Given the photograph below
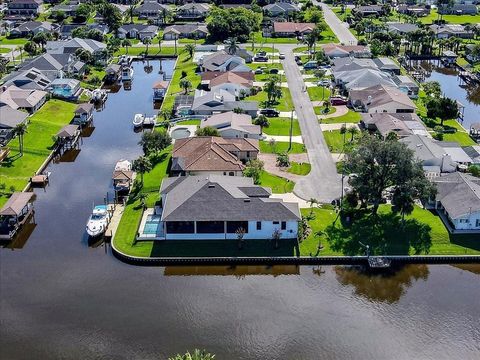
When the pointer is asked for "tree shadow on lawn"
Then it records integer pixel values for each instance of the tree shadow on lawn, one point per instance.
(468, 241)
(385, 234)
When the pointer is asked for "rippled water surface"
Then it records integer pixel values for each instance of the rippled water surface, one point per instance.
(61, 299)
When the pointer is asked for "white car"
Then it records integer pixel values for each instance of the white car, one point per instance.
(281, 56)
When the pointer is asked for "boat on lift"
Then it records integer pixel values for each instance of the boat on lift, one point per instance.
(98, 221)
(99, 95)
(138, 120)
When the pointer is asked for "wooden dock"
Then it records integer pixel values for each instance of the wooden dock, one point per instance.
(114, 220)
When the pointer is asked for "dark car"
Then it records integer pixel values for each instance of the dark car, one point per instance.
(338, 101)
(273, 71)
(260, 59)
(269, 112)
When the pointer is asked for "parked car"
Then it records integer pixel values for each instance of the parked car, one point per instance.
(260, 58)
(281, 56)
(310, 65)
(297, 58)
(261, 53)
(338, 100)
(269, 112)
(274, 71)
(324, 83)
(258, 71)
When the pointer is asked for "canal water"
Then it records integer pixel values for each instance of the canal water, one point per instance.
(61, 299)
(453, 87)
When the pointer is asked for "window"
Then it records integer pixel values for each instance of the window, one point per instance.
(180, 227)
(284, 225)
(210, 227)
(231, 173)
(259, 225)
(477, 223)
(276, 222)
(233, 226)
(248, 154)
(224, 173)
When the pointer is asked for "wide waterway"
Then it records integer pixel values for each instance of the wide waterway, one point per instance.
(61, 299)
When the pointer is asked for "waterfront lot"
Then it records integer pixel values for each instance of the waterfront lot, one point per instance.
(38, 142)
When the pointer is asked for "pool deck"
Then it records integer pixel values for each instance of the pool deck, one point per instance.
(148, 237)
(190, 128)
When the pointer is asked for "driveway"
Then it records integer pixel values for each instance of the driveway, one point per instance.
(323, 183)
(338, 27)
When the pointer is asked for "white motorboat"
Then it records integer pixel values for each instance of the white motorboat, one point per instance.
(149, 121)
(98, 221)
(138, 120)
(99, 95)
(127, 73)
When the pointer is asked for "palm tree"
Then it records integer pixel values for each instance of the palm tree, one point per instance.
(142, 165)
(196, 355)
(159, 44)
(20, 130)
(185, 84)
(312, 202)
(126, 43)
(190, 49)
(352, 130)
(262, 121)
(272, 89)
(147, 41)
(232, 46)
(131, 9)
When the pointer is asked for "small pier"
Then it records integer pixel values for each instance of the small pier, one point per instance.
(40, 180)
(68, 138)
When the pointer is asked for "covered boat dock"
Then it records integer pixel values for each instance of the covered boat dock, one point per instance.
(15, 213)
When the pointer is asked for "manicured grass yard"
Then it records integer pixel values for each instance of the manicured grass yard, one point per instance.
(280, 147)
(278, 184)
(452, 19)
(16, 171)
(320, 110)
(14, 41)
(350, 117)
(188, 122)
(281, 126)
(4, 50)
(334, 140)
(299, 168)
(285, 103)
(422, 233)
(318, 93)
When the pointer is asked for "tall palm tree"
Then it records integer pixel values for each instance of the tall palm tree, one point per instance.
(232, 46)
(147, 41)
(185, 84)
(142, 165)
(195, 355)
(262, 121)
(126, 44)
(131, 9)
(20, 130)
(190, 49)
(352, 130)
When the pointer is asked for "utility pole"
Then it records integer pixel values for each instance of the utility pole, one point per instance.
(290, 132)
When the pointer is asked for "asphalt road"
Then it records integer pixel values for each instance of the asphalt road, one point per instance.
(338, 27)
(323, 183)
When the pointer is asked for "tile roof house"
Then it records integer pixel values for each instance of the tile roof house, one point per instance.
(213, 102)
(291, 29)
(215, 207)
(137, 31)
(280, 9)
(342, 51)
(236, 83)
(381, 98)
(435, 160)
(212, 155)
(222, 61)
(458, 202)
(23, 99)
(232, 125)
(192, 11)
(191, 31)
(29, 28)
(402, 124)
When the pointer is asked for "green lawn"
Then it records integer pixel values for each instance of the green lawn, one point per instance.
(350, 117)
(454, 132)
(16, 171)
(189, 122)
(452, 19)
(278, 184)
(4, 50)
(285, 103)
(299, 168)
(318, 93)
(14, 41)
(320, 110)
(280, 147)
(127, 228)
(184, 64)
(334, 140)
(281, 126)
(423, 232)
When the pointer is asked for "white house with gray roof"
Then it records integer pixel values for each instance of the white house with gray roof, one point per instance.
(219, 101)
(214, 207)
(232, 125)
(458, 202)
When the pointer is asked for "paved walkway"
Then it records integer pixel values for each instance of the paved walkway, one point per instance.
(339, 28)
(270, 166)
(287, 114)
(330, 127)
(323, 182)
(341, 110)
(338, 157)
(281, 138)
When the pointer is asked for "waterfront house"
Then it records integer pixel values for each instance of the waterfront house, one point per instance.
(446, 31)
(65, 88)
(69, 8)
(334, 51)
(181, 31)
(368, 10)
(214, 102)
(83, 113)
(236, 83)
(458, 202)
(56, 64)
(222, 61)
(32, 79)
(232, 125)
(160, 89)
(15, 213)
(137, 31)
(381, 99)
(212, 155)
(280, 9)
(30, 28)
(402, 124)
(459, 9)
(192, 11)
(9, 119)
(435, 160)
(24, 8)
(23, 99)
(216, 207)
(96, 48)
(152, 10)
(292, 29)
(413, 10)
(387, 65)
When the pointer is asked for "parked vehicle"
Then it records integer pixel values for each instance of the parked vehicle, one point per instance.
(325, 83)
(269, 112)
(310, 65)
(258, 71)
(338, 100)
(274, 71)
(260, 58)
(281, 56)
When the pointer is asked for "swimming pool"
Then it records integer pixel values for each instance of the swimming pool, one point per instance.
(152, 225)
(180, 133)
